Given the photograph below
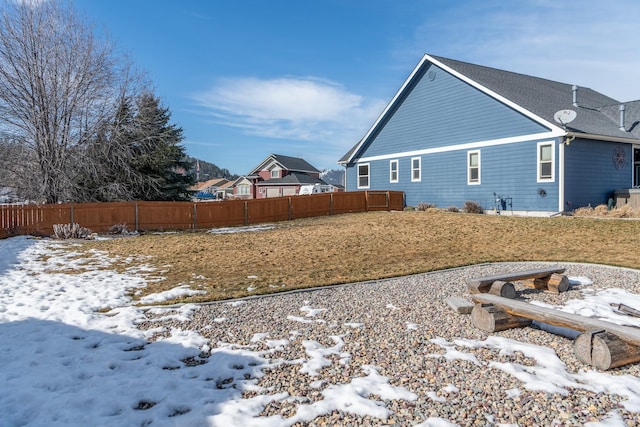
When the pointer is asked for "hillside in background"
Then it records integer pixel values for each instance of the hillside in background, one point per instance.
(209, 170)
(333, 176)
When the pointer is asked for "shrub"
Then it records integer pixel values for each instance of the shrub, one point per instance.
(13, 231)
(452, 209)
(601, 210)
(423, 206)
(71, 231)
(118, 229)
(409, 209)
(624, 211)
(586, 211)
(472, 207)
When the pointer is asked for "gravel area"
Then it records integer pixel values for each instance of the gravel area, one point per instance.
(405, 328)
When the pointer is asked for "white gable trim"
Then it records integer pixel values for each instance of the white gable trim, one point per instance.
(387, 108)
(267, 162)
(554, 128)
(467, 146)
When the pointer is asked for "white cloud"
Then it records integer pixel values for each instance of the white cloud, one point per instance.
(588, 43)
(294, 108)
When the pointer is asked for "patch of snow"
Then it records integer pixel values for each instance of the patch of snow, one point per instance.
(171, 294)
(246, 229)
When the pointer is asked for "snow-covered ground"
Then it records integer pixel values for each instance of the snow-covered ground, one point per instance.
(71, 354)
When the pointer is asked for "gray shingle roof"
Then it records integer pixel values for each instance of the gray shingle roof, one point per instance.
(294, 164)
(544, 97)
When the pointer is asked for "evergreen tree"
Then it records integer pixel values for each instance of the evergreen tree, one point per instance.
(157, 154)
(136, 156)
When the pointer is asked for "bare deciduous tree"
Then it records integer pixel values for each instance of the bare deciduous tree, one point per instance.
(58, 85)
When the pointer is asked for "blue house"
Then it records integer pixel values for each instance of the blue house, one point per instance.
(457, 132)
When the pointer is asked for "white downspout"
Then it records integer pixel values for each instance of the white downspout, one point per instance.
(561, 176)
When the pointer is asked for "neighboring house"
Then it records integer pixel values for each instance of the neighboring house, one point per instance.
(277, 176)
(243, 188)
(210, 189)
(457, 132)
(225, 190)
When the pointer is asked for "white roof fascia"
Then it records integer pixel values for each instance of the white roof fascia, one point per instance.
(263, 164)
(603, 138)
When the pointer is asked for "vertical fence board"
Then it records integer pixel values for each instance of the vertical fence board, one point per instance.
(349, 202)
(396, 200)
(102, 216)
(225, 213)
(310, 205)
(99, 217)
(268, 210)
(165, 215)
(378, 200)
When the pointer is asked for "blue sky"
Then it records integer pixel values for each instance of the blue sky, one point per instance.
(308, 78)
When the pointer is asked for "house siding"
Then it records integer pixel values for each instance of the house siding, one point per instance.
(446, 111)
(507, 170)
(588, 179)
(438, 114)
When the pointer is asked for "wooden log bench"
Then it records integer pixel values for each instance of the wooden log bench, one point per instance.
(603, 345)
(548, 279)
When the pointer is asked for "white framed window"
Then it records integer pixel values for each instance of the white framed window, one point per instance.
(393, 171)
(243, 190)
(275, 173)
(546, 162)
(416, 169)
(473, 167)
(363, 175)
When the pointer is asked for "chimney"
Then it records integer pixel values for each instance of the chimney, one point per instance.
(574, 88)
(622, 108)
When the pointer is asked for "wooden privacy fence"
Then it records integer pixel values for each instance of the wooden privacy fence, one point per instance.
(142, 216)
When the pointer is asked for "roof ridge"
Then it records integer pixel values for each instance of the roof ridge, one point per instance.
(501, 70)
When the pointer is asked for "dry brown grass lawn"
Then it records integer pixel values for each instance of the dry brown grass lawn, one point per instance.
(356, 247)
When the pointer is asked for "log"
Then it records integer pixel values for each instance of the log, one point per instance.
(490, 318)
(540, 283)
(558, 283)
(483, 284)
(460, 305)
(625, 309)
(503, 289)
(559, 318)
(604, 350)
(479, 287)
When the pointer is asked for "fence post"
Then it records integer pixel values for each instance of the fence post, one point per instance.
(290, 209)
(72, 217)
(246, 212)
(366, 201)
(136, 209)
(388, 201)
(331, 203)
(195, 215)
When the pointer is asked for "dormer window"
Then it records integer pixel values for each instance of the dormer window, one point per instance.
(275, 173)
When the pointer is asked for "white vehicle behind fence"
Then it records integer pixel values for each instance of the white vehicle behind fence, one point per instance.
(315, 188)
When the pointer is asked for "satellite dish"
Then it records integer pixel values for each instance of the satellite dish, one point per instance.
(564, 116)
